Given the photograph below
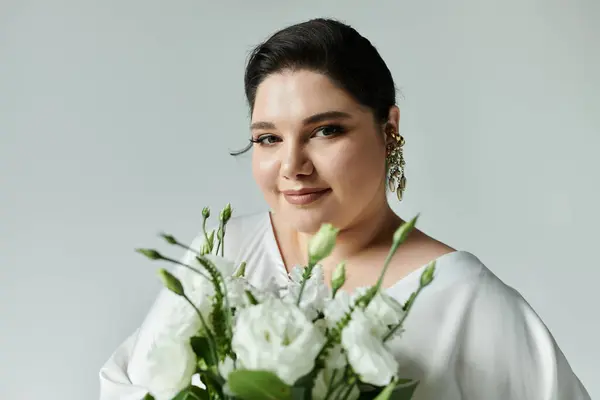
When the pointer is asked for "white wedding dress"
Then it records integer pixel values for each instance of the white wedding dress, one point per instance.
(469, 336)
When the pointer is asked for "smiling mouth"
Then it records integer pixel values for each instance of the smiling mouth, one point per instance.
(304, 197)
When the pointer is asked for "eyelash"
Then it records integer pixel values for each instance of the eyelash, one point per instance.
(262, 138)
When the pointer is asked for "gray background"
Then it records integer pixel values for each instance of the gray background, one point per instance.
(116, 118)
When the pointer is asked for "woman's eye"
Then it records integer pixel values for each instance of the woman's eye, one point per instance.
(266, 140)
(329, 131)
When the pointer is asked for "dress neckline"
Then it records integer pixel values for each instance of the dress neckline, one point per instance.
(409, 280)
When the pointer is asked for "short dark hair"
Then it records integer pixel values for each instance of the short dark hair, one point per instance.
(332, 48)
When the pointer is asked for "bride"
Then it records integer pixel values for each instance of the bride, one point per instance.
(325, 148)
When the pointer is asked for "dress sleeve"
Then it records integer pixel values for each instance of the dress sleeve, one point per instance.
(507, 352)
(122, 375)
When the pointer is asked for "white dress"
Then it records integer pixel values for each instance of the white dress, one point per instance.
(469, 336)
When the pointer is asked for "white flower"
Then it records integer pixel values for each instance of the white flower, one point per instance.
(336, 308)
(226, 367)
(366, 352)
(384, 311)
(236, 292)
(182, 320)
(269, 290)
(336, 358)
(168, 369)
(276, 336)
(321, 325)
(315, 291)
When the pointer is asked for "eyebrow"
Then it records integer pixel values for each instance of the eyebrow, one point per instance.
(313, 119)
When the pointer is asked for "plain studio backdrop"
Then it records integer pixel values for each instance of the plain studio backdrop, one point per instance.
(116, 119)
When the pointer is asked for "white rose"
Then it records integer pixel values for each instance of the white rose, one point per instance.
(336, 358)
(366, 352)
(182, 320)
(335, 309)
(384, 311)
(236, 292)
(226, 367)
(315, 291)
(276, 336)
(169, 367)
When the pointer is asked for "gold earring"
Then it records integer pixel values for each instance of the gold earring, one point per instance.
(395, 164)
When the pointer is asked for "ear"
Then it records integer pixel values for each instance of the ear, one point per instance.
(392, 126)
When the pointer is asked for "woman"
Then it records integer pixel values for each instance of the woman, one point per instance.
(325, 147)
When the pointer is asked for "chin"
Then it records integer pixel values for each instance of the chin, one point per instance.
(308, 220)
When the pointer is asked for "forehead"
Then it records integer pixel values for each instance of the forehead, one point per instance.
(295, 95)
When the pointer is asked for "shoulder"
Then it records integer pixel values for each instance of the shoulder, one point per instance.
(504, 346)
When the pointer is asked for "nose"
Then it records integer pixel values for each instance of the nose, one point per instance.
(295, 162)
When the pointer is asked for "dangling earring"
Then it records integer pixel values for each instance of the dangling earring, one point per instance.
(395, 164)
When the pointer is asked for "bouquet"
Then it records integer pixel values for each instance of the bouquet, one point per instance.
(306, 340)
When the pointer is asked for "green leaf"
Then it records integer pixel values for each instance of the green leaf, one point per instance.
(148, 396)
(192, 393)
(212, 379)
(201, 347)
(302, 388)
(386, 393)
(300, 393)
(401, 389)
(251, 297)
(258, 385)
(404, 390)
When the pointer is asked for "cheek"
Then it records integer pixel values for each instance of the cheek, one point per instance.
(265, 171)
(355, 168)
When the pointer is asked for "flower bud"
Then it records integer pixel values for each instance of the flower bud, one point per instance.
(402, 233)
(226, 213)
(339, 276)
(241, 271)
(171, 282)
(151, 254)
(205, 249)
(211, 238)
(321, 245)
(427, 275)
(168, 238)
(205, 212)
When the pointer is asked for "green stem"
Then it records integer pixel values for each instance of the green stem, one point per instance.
(308, 273)
(348, 391)
(211, 339)
(228, 315)
(205, 233)
(399, 324)
(223, 242)
(334, 293)
(386, 265)
(186, 266)
(330, 387)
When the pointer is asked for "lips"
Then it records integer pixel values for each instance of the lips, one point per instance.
(304, 196)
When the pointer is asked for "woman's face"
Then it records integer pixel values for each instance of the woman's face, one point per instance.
(318, 155)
